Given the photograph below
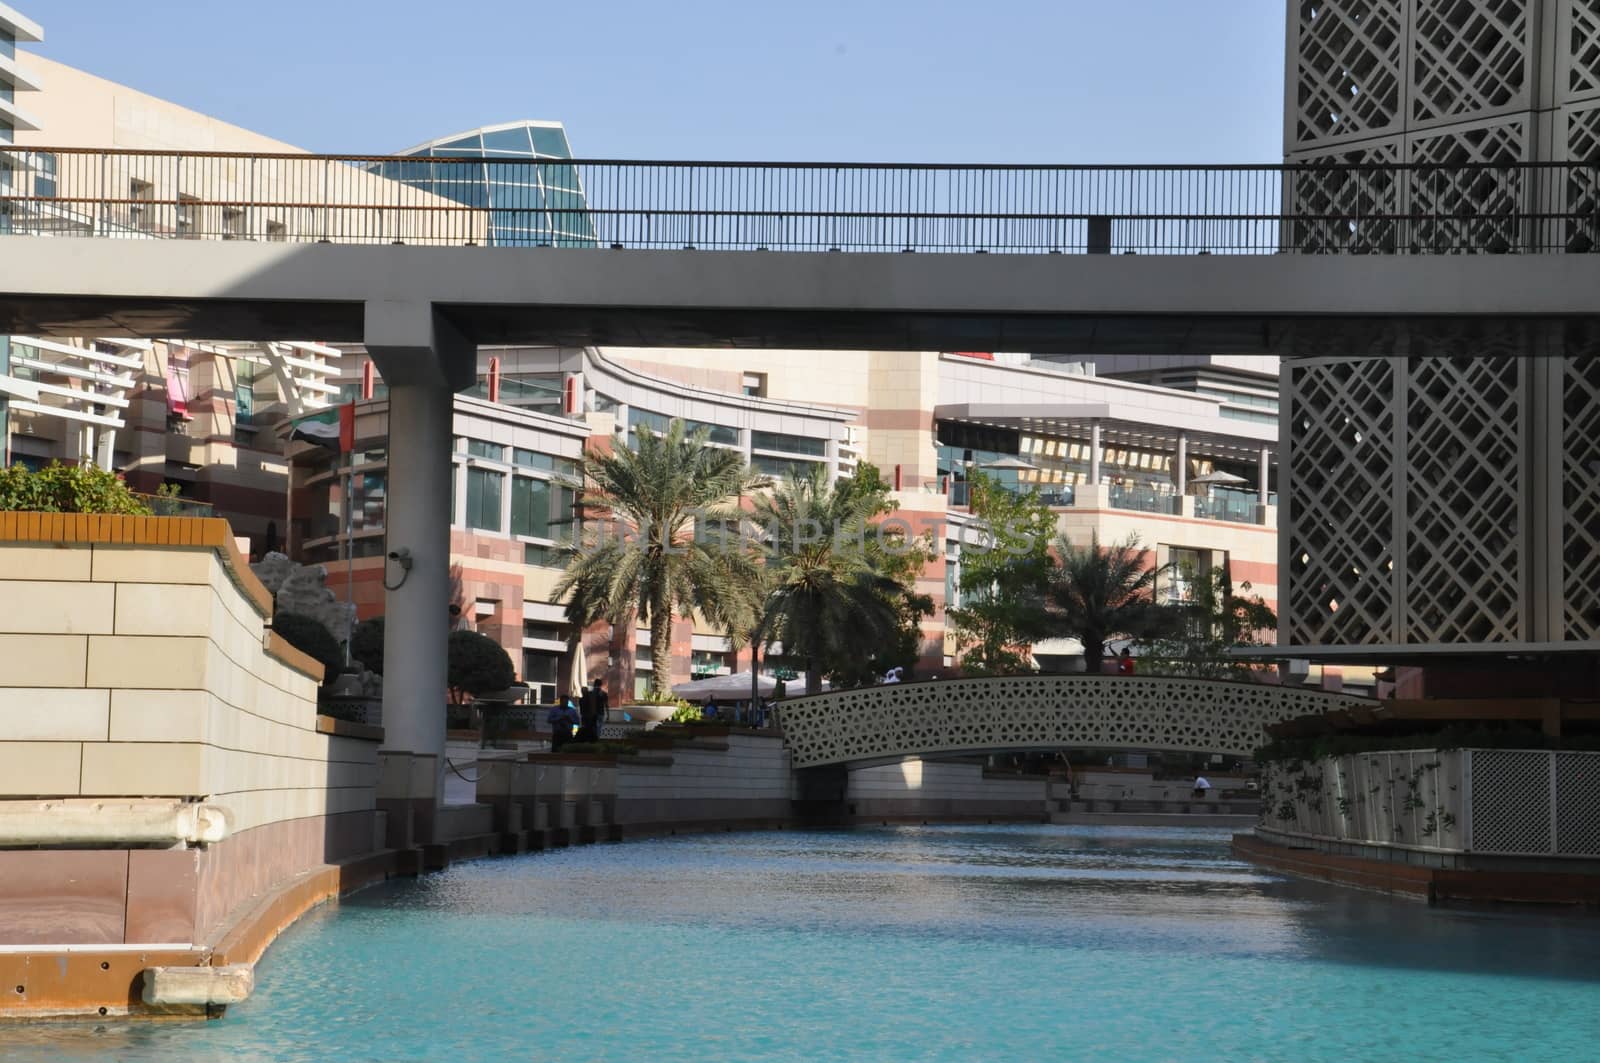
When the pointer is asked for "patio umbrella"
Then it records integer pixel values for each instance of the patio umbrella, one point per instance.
(1009, 464)
(1213, 478)
(580, 669)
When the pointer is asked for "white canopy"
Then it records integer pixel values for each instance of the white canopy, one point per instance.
(736, 685)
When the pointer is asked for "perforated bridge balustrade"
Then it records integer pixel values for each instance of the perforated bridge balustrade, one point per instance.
(1043, 713)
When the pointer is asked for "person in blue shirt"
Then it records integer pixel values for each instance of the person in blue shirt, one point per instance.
(563, 717)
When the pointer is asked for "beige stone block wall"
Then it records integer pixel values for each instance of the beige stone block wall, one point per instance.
(135, 670)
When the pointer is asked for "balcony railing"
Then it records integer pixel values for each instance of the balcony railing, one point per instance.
(173, 506)
(758, 206)
(1143, 499)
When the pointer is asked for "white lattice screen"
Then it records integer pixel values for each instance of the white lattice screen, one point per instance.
(1526, 801)
(1580, 502)
(1446, 81)
(1468, 57)
(1348, 68)
(1464, 483)
(1412, 504)
(1042, 712)
(1582, 22)
(1340, 524)
(1510, 801)
(1577, 796)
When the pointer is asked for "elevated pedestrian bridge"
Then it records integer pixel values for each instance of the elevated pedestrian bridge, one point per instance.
(1014, 714)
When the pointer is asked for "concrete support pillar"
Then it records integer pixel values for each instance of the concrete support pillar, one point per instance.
(1183, 463)
(1094, 452)
(1266, 466)
(423, 360)
(416, 517)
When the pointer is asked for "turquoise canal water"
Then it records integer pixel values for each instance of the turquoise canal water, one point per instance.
(916, 943)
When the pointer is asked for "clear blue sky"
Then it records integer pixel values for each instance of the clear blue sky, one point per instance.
(864, 80)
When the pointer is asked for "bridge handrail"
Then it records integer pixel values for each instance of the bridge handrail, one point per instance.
(1311, 208)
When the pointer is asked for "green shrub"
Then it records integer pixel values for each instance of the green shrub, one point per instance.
(687, 713)
(59, 488)
(366, 644)
(312, 639)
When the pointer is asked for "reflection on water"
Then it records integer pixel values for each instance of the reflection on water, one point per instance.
(953, 943)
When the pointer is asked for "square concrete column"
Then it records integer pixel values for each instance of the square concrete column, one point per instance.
(1094, 452)
(1266, 466)
(1183, 463)
(423, 360)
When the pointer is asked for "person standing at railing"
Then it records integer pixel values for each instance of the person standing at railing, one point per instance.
(1125, 664)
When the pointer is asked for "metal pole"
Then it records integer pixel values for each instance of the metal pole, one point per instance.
(350, 551)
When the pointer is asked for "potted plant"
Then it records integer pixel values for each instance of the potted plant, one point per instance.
(650, 708)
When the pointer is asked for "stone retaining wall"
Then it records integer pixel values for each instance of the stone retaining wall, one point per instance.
(138, 666)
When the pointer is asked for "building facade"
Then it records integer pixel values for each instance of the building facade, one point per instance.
(1177, 457)
(16, 79)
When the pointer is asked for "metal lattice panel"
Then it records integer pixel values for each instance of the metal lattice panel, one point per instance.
(1580, 508)
(1042, 712)
(1578, 804)
(1510, 801)
(1583, 184)
(1341, 530)
(1463, 499)
(1583, 49)
(1474, 210)
(1467, 57)
(1349, 60)
(1353, 199)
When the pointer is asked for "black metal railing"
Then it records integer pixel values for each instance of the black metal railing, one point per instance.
(751, 206)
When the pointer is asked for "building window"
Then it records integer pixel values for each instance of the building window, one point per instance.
(533, 459)
(530, 507)
(483, 499)
(143, 194)
(478, 448)
(233, 223)
(1187, 567)
(187, 217)
(544, 556)
(781, 467)
(755, 385)
(277, 232)
(788, 444)
(44, 178)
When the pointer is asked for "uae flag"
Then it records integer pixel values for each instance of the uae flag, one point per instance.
(332, 428)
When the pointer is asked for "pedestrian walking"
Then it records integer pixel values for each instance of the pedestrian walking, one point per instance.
(592, 711)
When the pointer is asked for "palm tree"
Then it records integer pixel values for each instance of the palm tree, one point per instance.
(645, 558)
(1096, 594)
(827, 599)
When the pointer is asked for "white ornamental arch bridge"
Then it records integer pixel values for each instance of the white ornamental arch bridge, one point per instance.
(1011, 714)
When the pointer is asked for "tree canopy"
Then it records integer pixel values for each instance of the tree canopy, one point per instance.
(476, 665)
(831, 595)
(310, 637)
(647, 554)
(1213, 619)
(1096, 594)
(366, 644)
(1003, 579)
